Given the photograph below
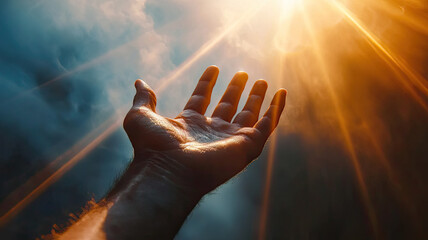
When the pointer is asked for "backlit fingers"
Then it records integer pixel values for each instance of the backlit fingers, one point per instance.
(201, 96)
(270, 119)
(250, 113)
(228, 104)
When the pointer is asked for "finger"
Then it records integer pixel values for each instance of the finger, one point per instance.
(144, 97)
(228, 104)
(201, 96)
(250, 113)
(270, 120)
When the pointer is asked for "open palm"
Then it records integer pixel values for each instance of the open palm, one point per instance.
(215, 148)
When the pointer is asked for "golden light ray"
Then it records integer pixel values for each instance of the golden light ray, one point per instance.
(318, 52)
(410, 20)
(57, 174)
(93, 62)
(392, 177)
(269, 167)
(80, 68)
(274, 138)
(419, 82)
(93, 139)
(205, 48)
(368, 131)
(266, 191)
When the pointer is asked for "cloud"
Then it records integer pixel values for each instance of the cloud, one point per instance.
(86, 54)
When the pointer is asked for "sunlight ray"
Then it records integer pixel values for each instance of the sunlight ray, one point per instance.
(264, 213)
(267, 187)
(318, 52)
(93, 139)
(49, 180)
(205, 48)
(418, 81)
(392, 177)
(368, 131)
(115, 52)
(80, 68)
(399, 12)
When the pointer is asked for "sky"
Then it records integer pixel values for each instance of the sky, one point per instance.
(347, 160)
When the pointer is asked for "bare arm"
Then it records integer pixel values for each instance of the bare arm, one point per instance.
(177, 161)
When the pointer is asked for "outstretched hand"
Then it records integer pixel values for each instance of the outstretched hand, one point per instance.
(213, 148)
(177, 161)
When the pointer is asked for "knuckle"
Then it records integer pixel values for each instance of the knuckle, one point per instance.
(197, 98)
(234, 88)
(248, 113)
(127, 122)
(256, 97)
(227, 106)
(133, 117)
(130, 120)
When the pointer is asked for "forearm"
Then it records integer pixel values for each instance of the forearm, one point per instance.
(150, 201)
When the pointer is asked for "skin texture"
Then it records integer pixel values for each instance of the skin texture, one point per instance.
(177, 161)
(214, 146)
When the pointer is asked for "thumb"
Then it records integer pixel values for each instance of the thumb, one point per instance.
(145, 96)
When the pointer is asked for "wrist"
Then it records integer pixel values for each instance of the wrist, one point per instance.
(163, 169)
(154, 191)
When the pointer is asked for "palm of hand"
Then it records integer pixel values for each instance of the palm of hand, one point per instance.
(213, 146)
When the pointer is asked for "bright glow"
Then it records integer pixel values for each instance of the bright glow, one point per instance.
(289, 5)
(339, 60)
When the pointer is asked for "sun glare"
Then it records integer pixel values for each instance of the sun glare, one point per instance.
(289, 5)
(312, 47)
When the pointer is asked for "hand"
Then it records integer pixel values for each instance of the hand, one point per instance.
(213, 148)
(178, 160)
